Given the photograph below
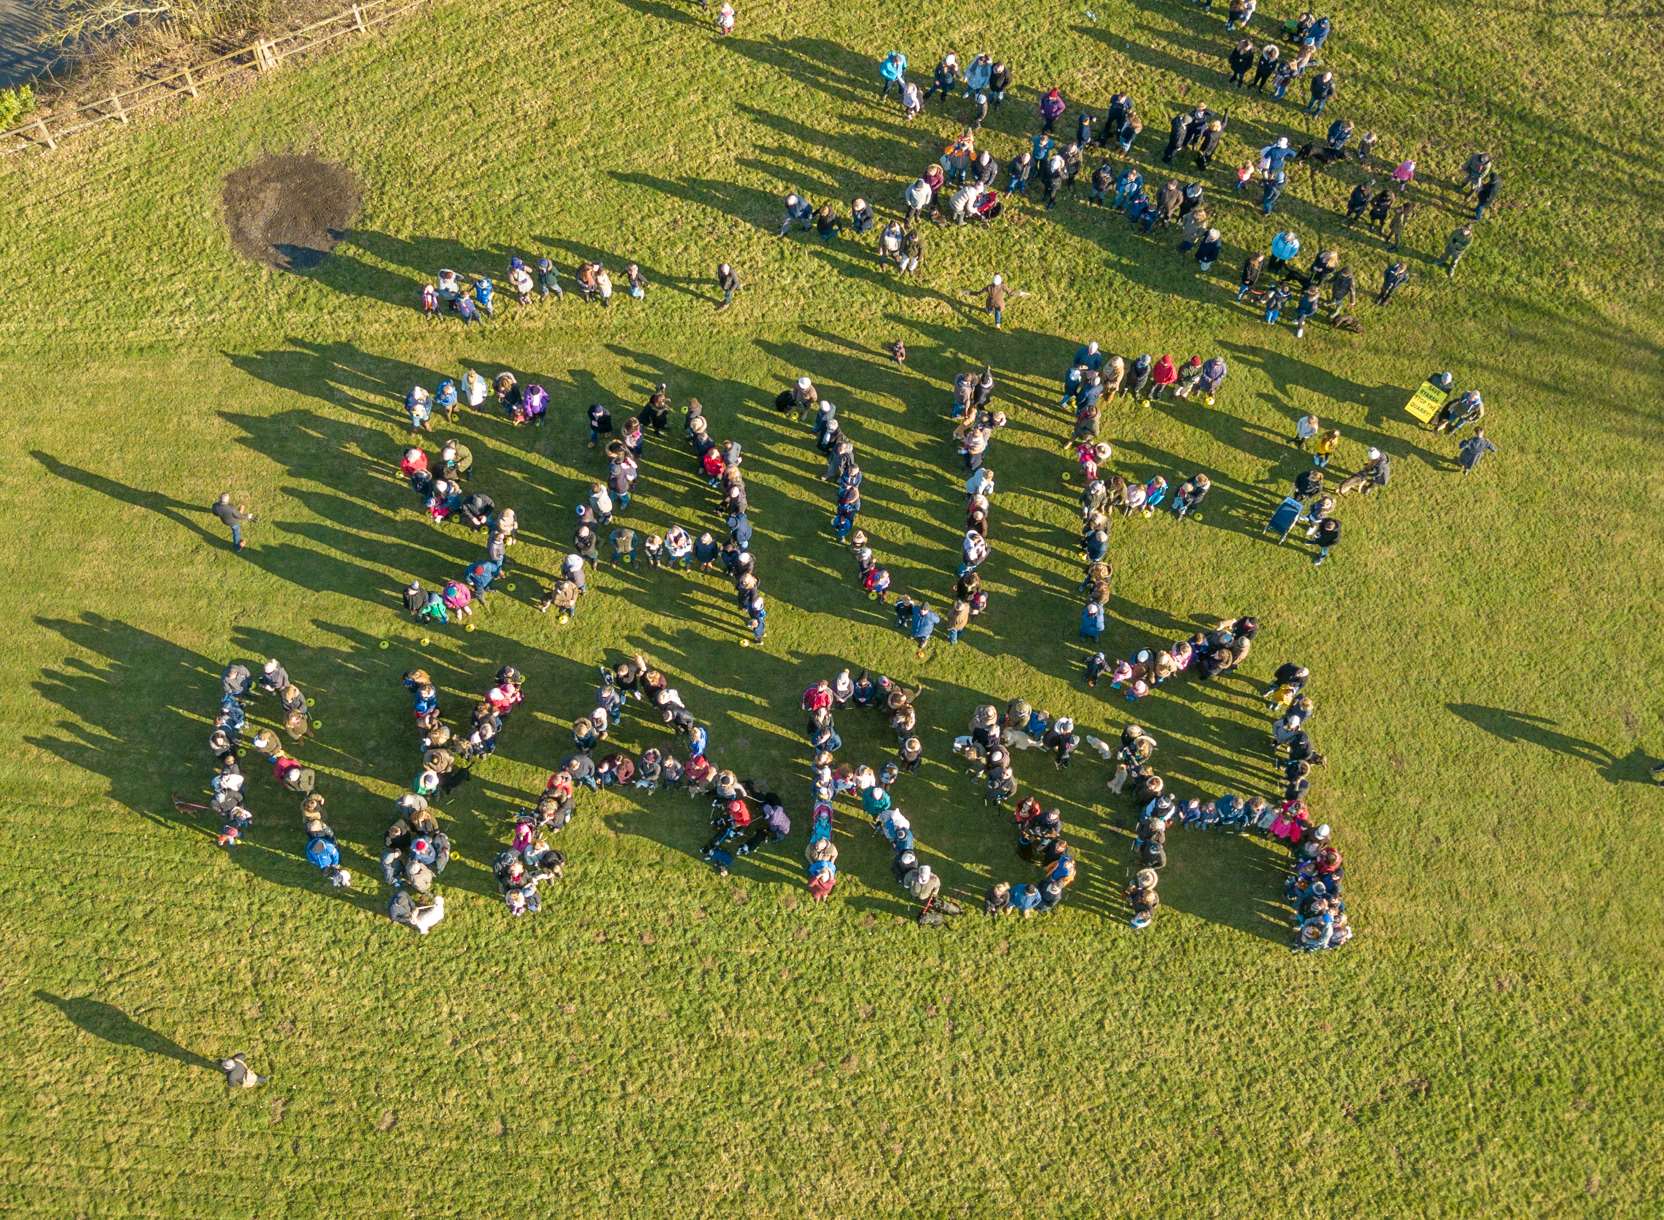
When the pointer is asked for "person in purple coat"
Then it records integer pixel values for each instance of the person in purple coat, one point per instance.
(773, 826)
(1051, 108)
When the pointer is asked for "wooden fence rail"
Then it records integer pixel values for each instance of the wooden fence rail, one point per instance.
(47, 132)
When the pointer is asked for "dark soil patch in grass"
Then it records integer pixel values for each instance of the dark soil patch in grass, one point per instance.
(289, 211)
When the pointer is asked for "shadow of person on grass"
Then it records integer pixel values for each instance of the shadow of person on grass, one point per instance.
(192, 517)
(112, 1025)
(1540, 731)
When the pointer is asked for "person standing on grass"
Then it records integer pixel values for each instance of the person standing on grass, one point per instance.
(1265, 66)
(1395, 227)
(1391, 280)
(1322, 90)
(1455, 246)
(233, 515)
(892, 71)
(548, 280)
(994, 300)
(945, 79)
(1487, 194)
(1474, 171)
(1304, 308)
(1328, 535)
(1357, 203)
(1472, 450)
(728, 282)
(1051, 109)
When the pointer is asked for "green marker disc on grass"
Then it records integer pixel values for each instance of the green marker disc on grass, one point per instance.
(424, 641)
(385, 644)
(509, 586)
(317, 724)
(469, 627)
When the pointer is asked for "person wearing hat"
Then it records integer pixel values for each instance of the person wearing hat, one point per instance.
(1091, 622)
(238, 1075)
(1062, 740)
(1141, 896)
(994, 296)
(548, 280)
(804, 399)
(860, 216)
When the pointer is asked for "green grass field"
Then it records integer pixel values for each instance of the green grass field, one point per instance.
(660, 1041)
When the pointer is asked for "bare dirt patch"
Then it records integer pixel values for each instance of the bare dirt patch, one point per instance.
(288, 211)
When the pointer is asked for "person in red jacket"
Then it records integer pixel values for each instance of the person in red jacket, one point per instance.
(1163, 377)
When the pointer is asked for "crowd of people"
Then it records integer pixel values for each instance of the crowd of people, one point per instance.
(238, 686)
(964, 185)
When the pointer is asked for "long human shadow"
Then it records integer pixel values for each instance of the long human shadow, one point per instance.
(143, 688)
(110, 1024)
(1527, 728)
(189, 516)
(730, 200)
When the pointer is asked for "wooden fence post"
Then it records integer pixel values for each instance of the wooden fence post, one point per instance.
(46, 135)
(263, 59)
(121, 111)
(358, 19)
(190, 82)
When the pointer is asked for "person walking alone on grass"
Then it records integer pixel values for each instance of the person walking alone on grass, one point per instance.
(1472, 450)
(994, 300)
(1391, 280)
(233, 516)
(1455, 246)
(728, 282)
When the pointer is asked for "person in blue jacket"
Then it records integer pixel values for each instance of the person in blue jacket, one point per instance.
(1025, 899)
(924, 624)
(1088, 356)
(1091, 622)
(892, 70)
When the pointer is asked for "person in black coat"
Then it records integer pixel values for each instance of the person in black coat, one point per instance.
(1358, 200)
(1176, 133)
(1265, 65)
(1241, 59)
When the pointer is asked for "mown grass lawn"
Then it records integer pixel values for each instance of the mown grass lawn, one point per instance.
(660, 1041)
